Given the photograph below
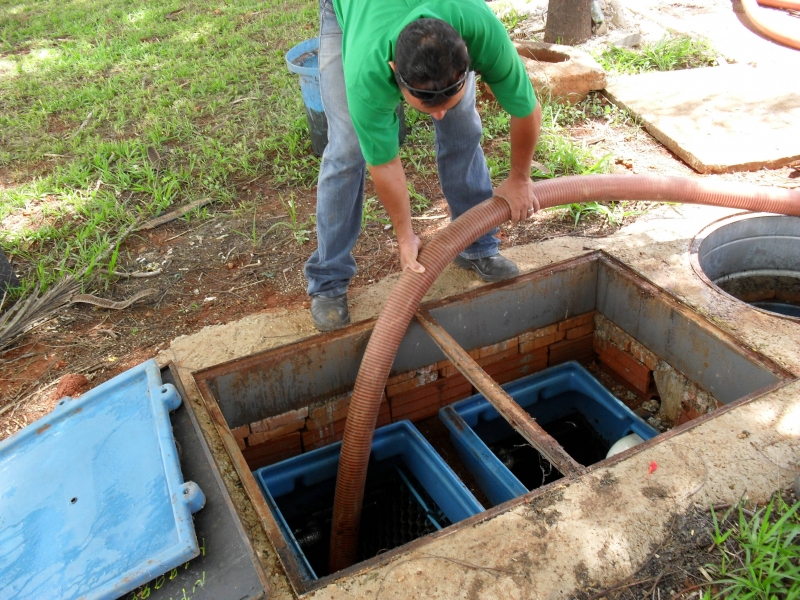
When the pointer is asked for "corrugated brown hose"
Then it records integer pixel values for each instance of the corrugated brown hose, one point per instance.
(440, 252)
(782, 31)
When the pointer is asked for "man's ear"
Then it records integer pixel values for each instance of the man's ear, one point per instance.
(391, 64)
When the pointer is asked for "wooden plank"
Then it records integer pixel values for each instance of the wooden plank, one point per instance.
(512, 412)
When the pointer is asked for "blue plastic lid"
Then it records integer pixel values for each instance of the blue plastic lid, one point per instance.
(92, 500)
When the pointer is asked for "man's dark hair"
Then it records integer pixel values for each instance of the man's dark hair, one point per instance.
(430, 55)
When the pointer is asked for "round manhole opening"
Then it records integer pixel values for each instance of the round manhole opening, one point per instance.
(543, 54)
(755, 259)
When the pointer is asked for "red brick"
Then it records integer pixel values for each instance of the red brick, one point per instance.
(239, 433)
(326, 418)
(324, 435)
(519, 366)
(424, 412)
(487, 360)
(539, 333)
(241, 444)
(428, 399)
(415, 382)
(259, 426)
(576, 321)
(286, 418)
(330, 407)
(626, 366)
(259, 438)
(498, 347)
(541, 342)
(499, 356)
(428, 391)
(384, 415)
(273, 451)
(609, 332)
(414, 411)
(643, 355)
(688, 413)
(578, 349)
(580, 331)
(456, 391)
(442, 364)
(448, 369)
(400, 377)
(278, 422)
(333, 432)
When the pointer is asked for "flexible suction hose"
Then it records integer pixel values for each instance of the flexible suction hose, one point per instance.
(787, 4)
(777, 31)
(440, 252)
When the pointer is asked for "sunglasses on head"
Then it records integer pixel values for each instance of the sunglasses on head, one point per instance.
(429, 95)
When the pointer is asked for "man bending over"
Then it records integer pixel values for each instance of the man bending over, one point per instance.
(372, 55)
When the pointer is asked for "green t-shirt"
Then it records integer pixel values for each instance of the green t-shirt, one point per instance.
(370, 29)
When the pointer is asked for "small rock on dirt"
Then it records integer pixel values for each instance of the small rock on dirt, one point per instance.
(629, 41)
(72, 384)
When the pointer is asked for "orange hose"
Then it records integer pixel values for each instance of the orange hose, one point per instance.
(440, 252)
(787, 4)
(774, 31)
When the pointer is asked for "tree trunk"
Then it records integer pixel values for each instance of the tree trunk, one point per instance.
(569, 22)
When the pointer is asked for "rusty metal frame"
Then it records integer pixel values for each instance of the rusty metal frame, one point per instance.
(649, 288)
(214, 466)
(301, 586)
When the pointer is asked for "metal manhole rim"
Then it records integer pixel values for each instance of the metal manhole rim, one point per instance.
(714, 226)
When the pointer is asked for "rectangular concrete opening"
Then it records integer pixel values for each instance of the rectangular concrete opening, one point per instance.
(652, 352)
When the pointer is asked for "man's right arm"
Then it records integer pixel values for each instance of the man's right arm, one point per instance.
(390, 184)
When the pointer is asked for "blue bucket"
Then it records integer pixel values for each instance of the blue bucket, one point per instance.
(303, 59)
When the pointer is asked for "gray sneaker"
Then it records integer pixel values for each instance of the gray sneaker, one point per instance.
(492, 268)
(330, 314)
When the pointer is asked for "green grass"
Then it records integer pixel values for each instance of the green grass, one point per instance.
(116, 111)
(759, 555)
(668, 54)
(301, 231)
(87, 88)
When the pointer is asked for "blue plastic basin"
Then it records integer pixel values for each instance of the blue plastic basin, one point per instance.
(302, 486)
(560, 397)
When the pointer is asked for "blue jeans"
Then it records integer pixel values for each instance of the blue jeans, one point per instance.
(340, 190)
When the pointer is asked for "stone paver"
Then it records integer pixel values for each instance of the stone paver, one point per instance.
(718, 119)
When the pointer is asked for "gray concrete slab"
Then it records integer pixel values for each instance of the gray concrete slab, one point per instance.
(718, 119)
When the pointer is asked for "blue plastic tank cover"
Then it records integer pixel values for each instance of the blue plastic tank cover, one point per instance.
(92, 500)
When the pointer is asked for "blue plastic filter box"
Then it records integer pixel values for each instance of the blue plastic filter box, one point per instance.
(92, 500)
(567, 401)
(410, 492)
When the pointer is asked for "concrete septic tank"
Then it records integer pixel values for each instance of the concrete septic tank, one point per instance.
(755, 259)
(593, 309)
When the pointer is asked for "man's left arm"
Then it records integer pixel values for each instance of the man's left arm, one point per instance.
(517, 190)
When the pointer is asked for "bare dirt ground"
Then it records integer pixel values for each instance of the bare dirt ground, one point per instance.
(237, 262)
